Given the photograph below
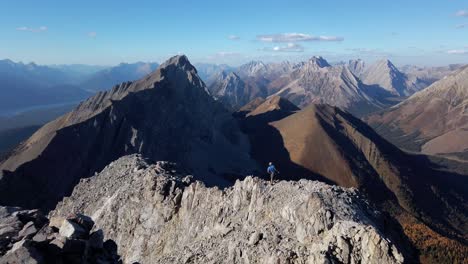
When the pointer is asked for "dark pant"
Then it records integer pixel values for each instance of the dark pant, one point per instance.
(272, 175)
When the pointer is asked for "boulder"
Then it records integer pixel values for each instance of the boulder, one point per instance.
(22, 252)
(84, 221)
(71, 229)
(28, 230)
(96, 239)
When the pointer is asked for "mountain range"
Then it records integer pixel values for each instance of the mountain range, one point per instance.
(134, 117)
(105, 79)
(298, 116)
(26, 85)
(432, 121)
(354, 86)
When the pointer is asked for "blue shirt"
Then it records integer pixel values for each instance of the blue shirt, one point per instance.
(271, 169)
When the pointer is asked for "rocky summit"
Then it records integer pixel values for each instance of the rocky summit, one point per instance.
(157, 214)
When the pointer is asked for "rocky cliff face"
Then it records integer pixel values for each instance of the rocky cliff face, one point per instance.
(157, 215)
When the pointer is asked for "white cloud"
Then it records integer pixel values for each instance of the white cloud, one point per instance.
(296, 37)
(226, 54)
(462, 13)
(457, 51)
(290, 47)
(367, 52)
(92, 34)
(233, 37)
(35, 30)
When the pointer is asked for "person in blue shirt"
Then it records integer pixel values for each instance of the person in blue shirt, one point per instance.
(272, 171)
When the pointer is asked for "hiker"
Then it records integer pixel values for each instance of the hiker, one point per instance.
(272, 171)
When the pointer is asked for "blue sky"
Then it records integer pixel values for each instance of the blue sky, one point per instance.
(108, 32)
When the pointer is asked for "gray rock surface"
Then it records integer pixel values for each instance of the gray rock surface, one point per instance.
(156, 215)
(27, 238)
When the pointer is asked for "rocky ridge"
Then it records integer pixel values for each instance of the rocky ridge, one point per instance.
(156, 214)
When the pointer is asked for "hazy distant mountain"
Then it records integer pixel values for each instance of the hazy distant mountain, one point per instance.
(26, 85)
(77, 73)
(210, 72)
(434, 121)
(316, 81)
(268, 71)
(233, 92)
(107, 78)
(357, 67)
(425, 76)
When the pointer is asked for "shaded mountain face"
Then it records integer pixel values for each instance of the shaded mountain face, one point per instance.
(317, 82)
(325, 143)
(433, 121)
(107, 78)
(28, 85)
(167, 115)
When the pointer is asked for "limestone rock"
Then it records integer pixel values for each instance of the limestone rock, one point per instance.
(71, 229)
(155, 217)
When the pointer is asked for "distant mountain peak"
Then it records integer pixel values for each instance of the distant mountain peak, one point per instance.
(319, 61)
(385, 74)
(180, 61)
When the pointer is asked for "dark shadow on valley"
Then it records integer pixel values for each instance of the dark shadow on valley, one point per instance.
(267, 145)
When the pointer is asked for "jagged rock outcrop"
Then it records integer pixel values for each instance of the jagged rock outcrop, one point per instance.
(27, 237)
(168, 115)
(156, 215)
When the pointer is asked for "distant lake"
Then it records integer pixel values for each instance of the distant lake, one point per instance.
(10, 113)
